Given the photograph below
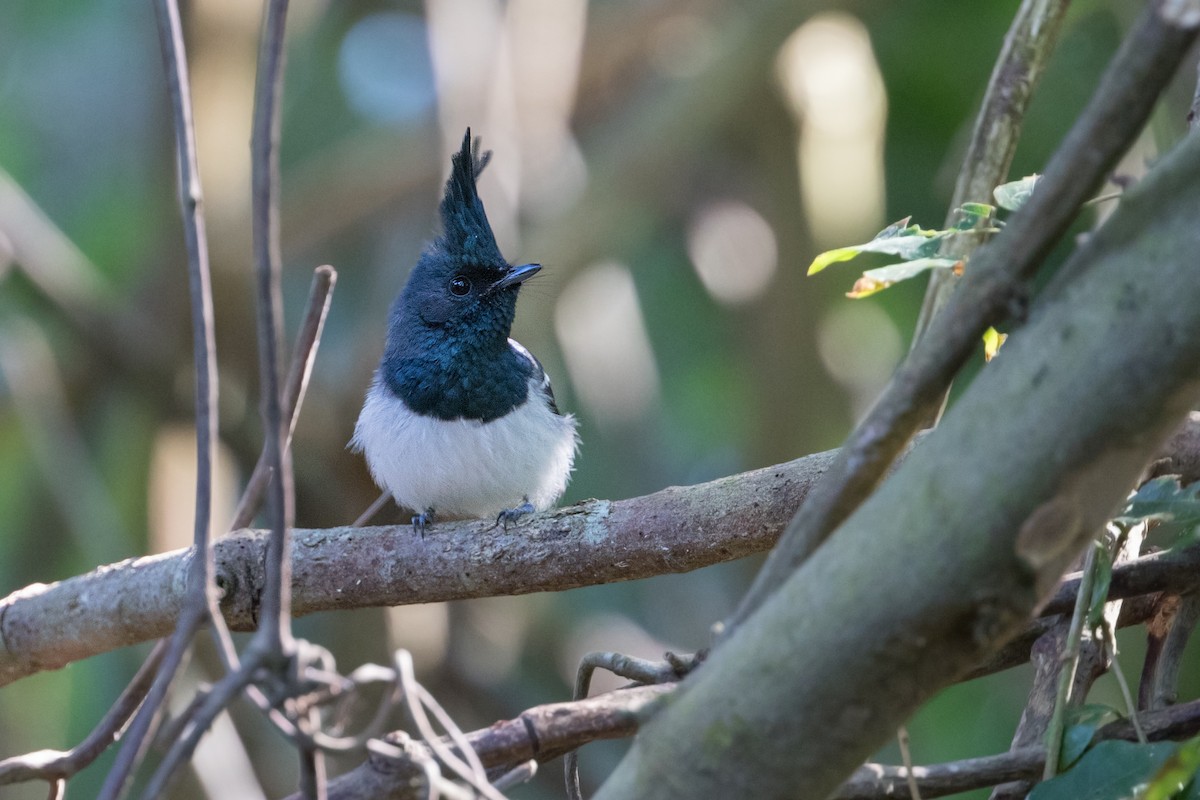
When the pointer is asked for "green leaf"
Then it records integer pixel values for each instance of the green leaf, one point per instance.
(1182, 770)
(970, 215)
(1164, 500)
(1013, 195)
(1112, 770)
(832, 257)
(1082, 722)
(876, 280)
(898, 239)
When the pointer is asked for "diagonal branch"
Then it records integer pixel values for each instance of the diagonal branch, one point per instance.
(995, 284)
(303, 356)
(948, 559)
(1027, 48)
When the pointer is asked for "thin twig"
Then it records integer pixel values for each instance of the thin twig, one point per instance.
(993, 288)
(218, 698)
(201, 601)
(52, 765)
(1193, 115)
(522, 773)
(418, 699)
(275, 626)
(372, 510)
(639, 670)
(1070, 660)
(312, 761)
(304, 354)
(542, 733)
(1027, 47)
(914, 791)
(1110, 646)
(368, 673)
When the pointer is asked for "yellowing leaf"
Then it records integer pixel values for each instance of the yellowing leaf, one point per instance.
(876, 280)
(865, 287)
(992, 340)
(832, 257)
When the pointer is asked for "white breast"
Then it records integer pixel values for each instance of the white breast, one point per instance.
(466, 468)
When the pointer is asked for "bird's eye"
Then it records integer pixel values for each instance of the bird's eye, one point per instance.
(459, 286)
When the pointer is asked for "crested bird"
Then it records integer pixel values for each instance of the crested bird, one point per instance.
(460, 420)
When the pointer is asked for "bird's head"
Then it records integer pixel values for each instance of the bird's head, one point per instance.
(462, 284)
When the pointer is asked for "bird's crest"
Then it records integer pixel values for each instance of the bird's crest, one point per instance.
(466, 231)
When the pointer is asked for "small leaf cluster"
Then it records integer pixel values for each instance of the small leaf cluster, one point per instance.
(919, 250)
(1174, 508)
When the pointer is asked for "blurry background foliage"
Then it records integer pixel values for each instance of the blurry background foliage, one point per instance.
(674, 165)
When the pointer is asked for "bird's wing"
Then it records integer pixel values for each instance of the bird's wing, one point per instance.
(539, 373)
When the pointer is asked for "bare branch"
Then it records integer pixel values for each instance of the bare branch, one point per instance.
(542, 733)
(1167, 637)
(275, 627)
(205, 711)
(201, 589)
(599, 541)
(303, 355)
(52, 765)
(877, 781)
(548, 731)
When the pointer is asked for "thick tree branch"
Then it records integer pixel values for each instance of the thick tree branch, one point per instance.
(949, 557)
(598, 541)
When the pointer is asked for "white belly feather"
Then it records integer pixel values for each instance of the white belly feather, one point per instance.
(466, 468)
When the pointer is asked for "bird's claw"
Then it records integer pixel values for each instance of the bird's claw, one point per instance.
(421, 521)
(513, 514)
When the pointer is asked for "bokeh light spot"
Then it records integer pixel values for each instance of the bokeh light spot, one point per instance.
(385, 69)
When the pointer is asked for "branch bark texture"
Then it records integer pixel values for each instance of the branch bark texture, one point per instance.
(952, 554)
(598, 541)
(47, 626)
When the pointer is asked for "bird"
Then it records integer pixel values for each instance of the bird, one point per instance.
(460, 420)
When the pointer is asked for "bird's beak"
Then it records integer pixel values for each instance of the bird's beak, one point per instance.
(517, 276)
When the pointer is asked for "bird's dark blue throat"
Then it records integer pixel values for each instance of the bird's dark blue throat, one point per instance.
(442, 373)
(447, 352)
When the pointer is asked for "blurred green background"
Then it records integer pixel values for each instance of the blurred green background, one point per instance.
(674, 165)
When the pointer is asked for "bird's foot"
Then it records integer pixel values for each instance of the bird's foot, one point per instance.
(421, 521)
(513, 514)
